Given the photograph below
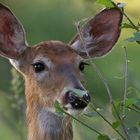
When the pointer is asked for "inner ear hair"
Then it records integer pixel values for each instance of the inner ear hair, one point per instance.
(12, 36)
(99, 34)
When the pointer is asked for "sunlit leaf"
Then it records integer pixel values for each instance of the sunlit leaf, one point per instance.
(127, 25)
(103, 137)
(116, 124)
(117, 105)
(107, 3)
(135, 37)
(130, 101)
(133, 92)
(91, 114)
(58, 108)
(77, 92)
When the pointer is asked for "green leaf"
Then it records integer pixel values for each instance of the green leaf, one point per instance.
(133, 130)
(130, 101)
(91, 114)
(58, 108)
(127, 25)
(103, 137)
(77, 92)
(117, 104)
(133, 92)
(107, 3)
(134, 38)
(116, 124)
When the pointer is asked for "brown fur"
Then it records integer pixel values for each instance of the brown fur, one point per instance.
(61, 68)
(36, 92)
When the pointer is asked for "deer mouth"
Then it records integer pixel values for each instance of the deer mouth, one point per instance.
(75, 103)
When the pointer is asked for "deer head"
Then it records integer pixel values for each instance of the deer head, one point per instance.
(52, 68)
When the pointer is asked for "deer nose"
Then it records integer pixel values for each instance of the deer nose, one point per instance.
(77, 102)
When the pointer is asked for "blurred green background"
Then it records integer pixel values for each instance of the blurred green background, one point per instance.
(54, 20)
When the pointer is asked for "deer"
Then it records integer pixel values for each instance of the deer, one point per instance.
(52, 68)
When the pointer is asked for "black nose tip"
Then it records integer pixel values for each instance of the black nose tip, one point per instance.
(77, 102)
(86, 97)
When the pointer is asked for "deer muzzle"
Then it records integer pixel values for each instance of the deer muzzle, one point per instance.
(77, 100)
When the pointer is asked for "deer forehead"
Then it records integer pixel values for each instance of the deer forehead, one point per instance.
(52, 52)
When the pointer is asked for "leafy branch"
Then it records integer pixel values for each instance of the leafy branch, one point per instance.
(136, 37)
(101, 76)
(125, 85)
(104, 81)
(59, 110)
(131, 24)
(121, 118)
(131, 107)
(113, 126)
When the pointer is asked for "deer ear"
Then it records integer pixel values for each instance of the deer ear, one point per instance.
(12, 37)
(99, 34)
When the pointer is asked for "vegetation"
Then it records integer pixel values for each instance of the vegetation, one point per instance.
(114, 112)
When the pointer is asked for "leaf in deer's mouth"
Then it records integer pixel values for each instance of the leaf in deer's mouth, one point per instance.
(59, 109)
(77, 92)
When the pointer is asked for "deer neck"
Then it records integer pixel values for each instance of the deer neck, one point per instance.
(43, 123)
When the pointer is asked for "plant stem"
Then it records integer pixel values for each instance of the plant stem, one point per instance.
(125, 95)
(111, 100)
(108, 123)
(137, 111)
(125, 83)
(130, 21)
(138, 108)
(83, 123)
(103, 80)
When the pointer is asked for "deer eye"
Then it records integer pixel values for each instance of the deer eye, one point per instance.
(38, 67)
(82, 66)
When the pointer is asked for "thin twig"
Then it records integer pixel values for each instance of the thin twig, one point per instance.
(98, 71)
(138, 108)
(108, 123)
(130, 21)
(103, 80)
(125, 95)
(122, 11)
(111, 99)
(137, 111)
(83, 123)
(125, 83)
